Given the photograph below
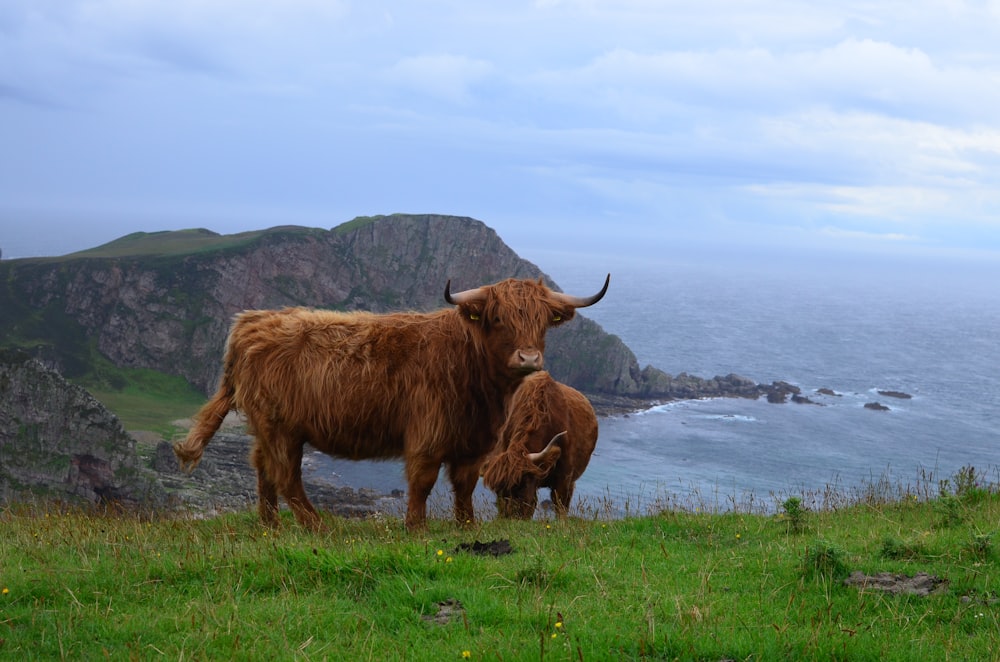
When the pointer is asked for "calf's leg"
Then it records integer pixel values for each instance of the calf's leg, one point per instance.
(561, 494)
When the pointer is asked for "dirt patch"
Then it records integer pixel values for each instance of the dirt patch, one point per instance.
(494, 548)
(921, 584)
(448, 610)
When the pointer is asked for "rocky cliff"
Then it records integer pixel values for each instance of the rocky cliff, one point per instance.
(165, 300)
(58, 442)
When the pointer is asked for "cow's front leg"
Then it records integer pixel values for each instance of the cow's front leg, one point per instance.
(463, 483)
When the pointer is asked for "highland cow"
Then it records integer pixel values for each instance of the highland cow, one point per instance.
(427, 387)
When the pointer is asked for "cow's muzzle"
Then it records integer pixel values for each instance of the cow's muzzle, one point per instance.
(527, 360)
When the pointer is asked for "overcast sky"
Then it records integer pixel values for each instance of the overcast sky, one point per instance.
(597, 125)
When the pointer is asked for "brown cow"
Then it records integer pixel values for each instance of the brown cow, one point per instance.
(546, 441)
(427, 387)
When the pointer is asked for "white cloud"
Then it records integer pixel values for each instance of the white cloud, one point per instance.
(448, 77)
(841, 233)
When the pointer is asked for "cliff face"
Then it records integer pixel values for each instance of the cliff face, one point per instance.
(57, 441)
(165, 301)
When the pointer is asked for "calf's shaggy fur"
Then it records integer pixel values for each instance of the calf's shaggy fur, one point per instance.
(547, 439)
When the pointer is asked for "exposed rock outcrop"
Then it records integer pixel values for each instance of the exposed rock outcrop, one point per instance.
(57, 441)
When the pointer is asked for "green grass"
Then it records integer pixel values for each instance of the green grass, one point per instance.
(145, 399)
(677, 585)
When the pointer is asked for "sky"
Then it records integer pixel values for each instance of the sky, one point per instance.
(590, 125)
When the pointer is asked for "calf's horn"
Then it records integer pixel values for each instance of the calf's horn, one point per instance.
(537, 458)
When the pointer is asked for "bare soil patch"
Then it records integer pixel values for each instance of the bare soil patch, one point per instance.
(922, 583)
(448, 610)
(493, 548)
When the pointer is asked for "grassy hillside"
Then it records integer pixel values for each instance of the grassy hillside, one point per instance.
(183, 242)
(678, 585)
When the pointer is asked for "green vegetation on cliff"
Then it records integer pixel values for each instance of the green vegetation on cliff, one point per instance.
(185, 242)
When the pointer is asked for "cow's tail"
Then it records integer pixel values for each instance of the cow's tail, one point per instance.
(207, 421)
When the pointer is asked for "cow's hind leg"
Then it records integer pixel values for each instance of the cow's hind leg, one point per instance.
(292, 489)
(463, 482)
(277, 455)
(267, 491)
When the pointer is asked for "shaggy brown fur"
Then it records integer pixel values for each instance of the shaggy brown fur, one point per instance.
(427, 387)
(539, 410)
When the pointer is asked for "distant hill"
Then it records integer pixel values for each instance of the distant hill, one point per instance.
(164, 300)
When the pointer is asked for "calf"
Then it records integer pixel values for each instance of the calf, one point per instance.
(547, 439)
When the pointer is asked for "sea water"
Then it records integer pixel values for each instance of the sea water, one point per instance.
(926, 327)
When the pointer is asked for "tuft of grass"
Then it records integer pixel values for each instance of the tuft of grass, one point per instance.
(826, 559)
(794, 514)
(899, 550)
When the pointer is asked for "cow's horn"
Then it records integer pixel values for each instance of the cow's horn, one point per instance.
(537, 458)
(462, 297)
(583, 302)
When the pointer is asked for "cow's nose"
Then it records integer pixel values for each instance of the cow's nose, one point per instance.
(529, 359)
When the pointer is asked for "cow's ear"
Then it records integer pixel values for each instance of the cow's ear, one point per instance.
(560, 315)
(472, 312)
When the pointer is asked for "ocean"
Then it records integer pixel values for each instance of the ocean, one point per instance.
(927, 328)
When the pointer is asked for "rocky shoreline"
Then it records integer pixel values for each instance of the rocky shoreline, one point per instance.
(225, 481)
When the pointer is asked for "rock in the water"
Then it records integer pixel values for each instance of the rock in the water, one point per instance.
(895, 394)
